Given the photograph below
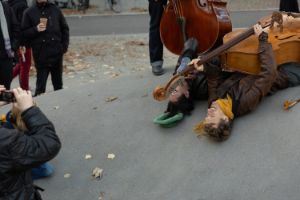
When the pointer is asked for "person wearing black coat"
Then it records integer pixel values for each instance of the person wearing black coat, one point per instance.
(22, 68)
(8, 48)
(21, 151)
(49, 40)
(289, 5)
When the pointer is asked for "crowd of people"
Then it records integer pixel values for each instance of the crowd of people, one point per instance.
(40, 31)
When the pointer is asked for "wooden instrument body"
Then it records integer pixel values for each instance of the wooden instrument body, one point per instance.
(206, 20)
(243, 57)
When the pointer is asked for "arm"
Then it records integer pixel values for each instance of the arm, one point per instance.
(29, 30)
(214, 75)
(65, 32)
(256, 87)
(15, 30)
(37, 145)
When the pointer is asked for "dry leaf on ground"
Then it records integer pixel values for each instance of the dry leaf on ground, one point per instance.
(88, 156)
(97, 173)
(111, 99)
(111, 156)
(67, 175)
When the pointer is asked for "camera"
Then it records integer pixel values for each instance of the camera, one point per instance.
(7, 96)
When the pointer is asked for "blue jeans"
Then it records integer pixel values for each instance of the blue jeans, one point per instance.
(44, 170)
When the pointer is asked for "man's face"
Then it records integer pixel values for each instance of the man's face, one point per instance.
(178, 92)
(214, 115)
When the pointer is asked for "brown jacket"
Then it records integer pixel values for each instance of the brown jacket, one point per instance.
(245, 90)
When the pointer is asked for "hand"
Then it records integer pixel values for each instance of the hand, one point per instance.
(41, 27)
(23, 99)
(22, 49)
(194, 62)
(2, 88)
(257, 29)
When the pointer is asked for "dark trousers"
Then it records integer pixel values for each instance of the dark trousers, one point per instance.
(292, 70)
(6, 68)
(289, 6)
(42, 76)
(155, 44)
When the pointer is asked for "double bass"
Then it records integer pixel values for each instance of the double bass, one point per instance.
(206, 20)
(240, 51)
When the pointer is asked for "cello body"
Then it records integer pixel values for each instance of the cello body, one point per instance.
(243, 57)
(206, 20)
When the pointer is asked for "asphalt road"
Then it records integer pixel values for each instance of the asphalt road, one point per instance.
(138, 23)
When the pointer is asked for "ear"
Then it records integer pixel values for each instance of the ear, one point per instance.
(225, 118)
(186, 93)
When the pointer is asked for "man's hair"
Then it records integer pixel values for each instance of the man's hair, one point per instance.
(221, 133)
(184, 105)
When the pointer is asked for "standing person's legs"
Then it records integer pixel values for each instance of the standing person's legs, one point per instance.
(56, 75)
(289, 6)
(24, 71)
(155, 44)
(6, 73)
(41, 79)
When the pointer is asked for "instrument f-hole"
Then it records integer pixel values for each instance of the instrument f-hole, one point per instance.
(202, 3)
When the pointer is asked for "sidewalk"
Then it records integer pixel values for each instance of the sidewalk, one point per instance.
(103, 58)
(107, 108)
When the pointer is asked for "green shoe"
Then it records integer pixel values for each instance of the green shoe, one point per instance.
(167, 122)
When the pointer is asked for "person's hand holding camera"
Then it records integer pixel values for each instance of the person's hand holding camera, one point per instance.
(23, 99)
(2, 88)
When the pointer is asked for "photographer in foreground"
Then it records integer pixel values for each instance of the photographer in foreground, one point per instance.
(21, 151)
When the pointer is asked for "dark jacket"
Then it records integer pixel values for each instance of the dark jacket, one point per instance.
(18, 6)
(13, 30)
(19, 152)
(48, 46)
(247, 91)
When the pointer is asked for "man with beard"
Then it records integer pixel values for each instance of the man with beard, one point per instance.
(47, 31)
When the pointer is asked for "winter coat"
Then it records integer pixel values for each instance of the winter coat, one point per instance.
(247, 91)
(13, 30)
(18, 6)
(21, 151)
(48, 46)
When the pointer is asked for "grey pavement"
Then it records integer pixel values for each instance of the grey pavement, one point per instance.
(86, 25)
(259, 161)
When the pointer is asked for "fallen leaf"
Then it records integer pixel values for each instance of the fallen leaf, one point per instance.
(101, 195)
(67, 175)
(111, 99)
(97, 173)
(114, 75)
(111, 156)
(88, 156)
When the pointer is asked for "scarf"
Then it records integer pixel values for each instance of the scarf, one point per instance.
(226, 106)
(4, 30)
